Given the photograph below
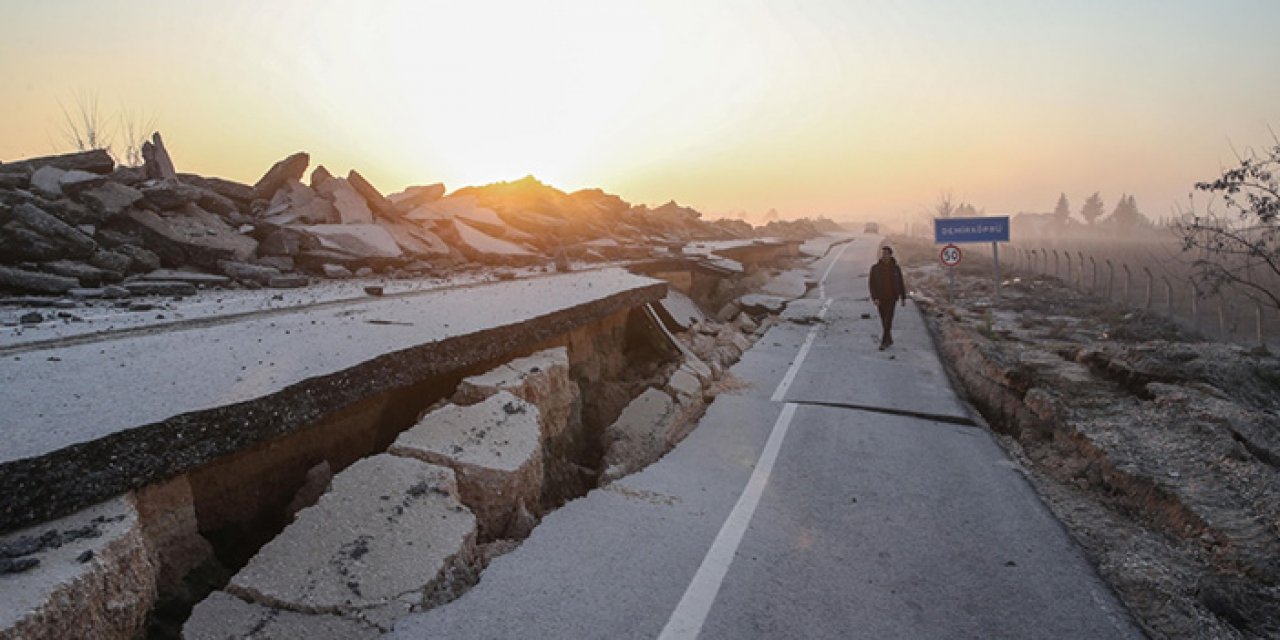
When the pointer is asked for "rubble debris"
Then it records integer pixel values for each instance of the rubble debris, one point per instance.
(35, 282)
(639, 436)
(156, 161)
(59, 596)
(494, 447)
(290, 168)
(93, 161)
(387, 532)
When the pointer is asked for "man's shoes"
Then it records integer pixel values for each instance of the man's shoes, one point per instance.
(883, 346)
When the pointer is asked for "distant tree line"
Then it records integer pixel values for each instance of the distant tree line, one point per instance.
(1124, 217)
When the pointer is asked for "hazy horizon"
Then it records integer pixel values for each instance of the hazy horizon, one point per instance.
(850, 110)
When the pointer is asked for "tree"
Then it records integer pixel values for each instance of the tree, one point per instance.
(1239, 248)
(945, 207)
(1062, 212)
(1092, 209)
(1126, 216)
(966, 210)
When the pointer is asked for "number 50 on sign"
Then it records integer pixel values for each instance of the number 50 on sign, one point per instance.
(950, 255)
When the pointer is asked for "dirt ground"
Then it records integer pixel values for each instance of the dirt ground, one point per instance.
(1158, 450)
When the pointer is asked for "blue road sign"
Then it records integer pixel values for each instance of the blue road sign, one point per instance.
(987, 229)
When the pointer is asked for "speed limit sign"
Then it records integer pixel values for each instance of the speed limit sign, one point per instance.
(950, 255)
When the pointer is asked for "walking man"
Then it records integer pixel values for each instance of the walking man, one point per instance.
(886, 288)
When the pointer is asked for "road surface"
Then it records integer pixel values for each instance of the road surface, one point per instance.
(845, 492)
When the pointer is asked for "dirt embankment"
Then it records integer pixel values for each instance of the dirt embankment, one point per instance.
(1158, 450)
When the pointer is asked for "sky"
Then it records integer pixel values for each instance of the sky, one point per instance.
(855, 109)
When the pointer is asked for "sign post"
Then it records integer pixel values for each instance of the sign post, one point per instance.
(950, 256)
(993, 229)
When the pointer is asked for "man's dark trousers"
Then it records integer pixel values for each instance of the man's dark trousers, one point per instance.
(886, 321)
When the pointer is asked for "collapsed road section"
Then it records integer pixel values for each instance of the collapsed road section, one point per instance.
(147, 407)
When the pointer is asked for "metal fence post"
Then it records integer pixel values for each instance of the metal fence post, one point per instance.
(1168, 294)
(1093, 284)
(1111, 277)
(1150, 283)
(1080, 273)
(1068, 268)
(1257, 309)
(1128, 280)
(1055, 263)
(1195, 307)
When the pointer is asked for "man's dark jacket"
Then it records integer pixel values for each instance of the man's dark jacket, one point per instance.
(886, 282)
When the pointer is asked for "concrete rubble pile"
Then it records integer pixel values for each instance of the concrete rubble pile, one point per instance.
(81, 226)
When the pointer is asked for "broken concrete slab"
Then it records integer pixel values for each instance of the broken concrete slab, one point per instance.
(222, 616)
(414, 239)
(639, 436)
(196, 278)
(372, 197)
(288, 281)
(111, 261)
(241, 194)
(405, 201)
(87, 575)
(159, 288)
(46, 181)
(192, 236)
(482, 247)
(350, 205)
(86, 275)
(293, 202)
(245, 272)
(359, 241)
(71, 240)
(290, 168)
(684, 383)
(93, 161)
(679, 311)
(156, 161)
(758, 304)
(387, 531)
(495, 447)
(110, 199)
(35, 282)
(542, 379)
(803, 311)
(72, 183)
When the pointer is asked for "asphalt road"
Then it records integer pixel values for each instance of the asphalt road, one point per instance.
(845, 493)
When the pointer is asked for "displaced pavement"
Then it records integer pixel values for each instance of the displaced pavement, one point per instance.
(839, 492)
(148, 403)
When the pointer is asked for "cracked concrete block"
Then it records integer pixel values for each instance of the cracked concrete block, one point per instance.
(389, 530)
(685, 384)
(638, 437)
(222, 616)
(494, 446)
(87, 575)
(167, 514)
(542, 379)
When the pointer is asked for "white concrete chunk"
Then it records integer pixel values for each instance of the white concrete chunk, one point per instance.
(362, 240)
(386, 531)
(685, 383)
(639, 436)
(496, 449)
(542, 379)
(97, 582)
(222, 616)
(350, 205)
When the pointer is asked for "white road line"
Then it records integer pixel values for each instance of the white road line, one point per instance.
(686, 621)
(790, 375)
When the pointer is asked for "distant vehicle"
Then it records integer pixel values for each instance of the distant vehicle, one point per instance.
(871, 227)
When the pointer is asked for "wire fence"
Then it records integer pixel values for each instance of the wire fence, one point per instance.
(1150, 274)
